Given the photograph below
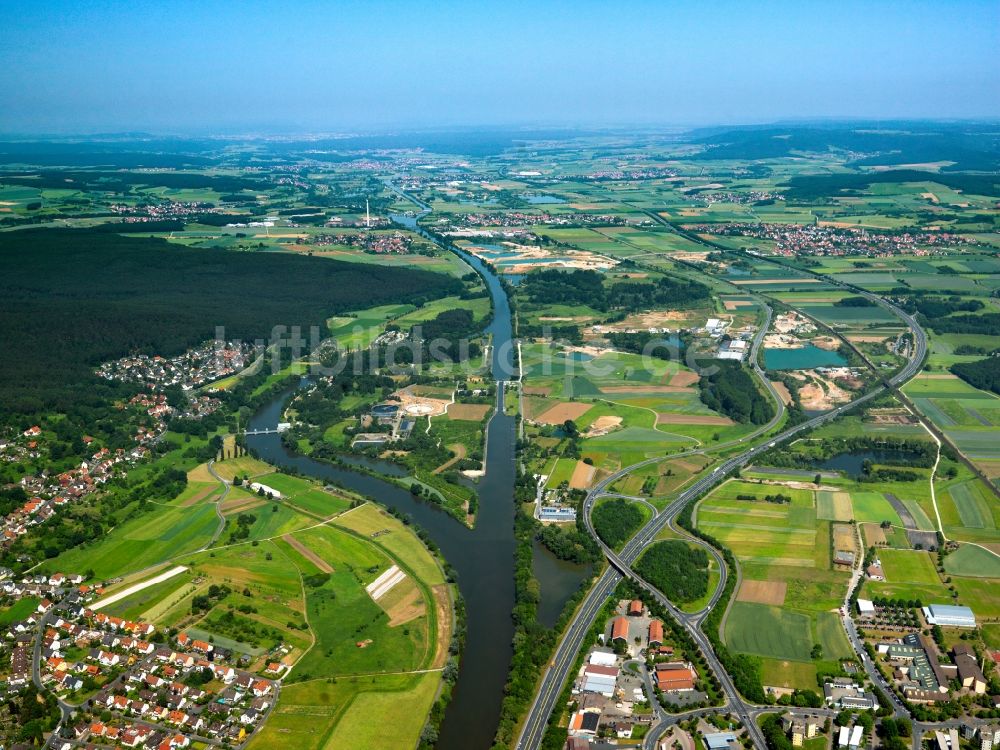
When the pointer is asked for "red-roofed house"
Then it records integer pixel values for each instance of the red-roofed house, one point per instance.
(675, 676)
(619, 629)
(655, 633)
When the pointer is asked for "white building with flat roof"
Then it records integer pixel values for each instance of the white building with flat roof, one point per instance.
(950, 616)
(866, 608)
(603, 658)
(270, 491)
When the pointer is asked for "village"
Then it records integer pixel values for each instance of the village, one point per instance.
(163, 210)
(379, 244)
(810, 239)
(521, 219)
(205, 363)
(45, 493)
(635, 678)
(129, 685)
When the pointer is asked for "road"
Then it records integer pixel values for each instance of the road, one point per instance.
(218, 505)
(572, 641)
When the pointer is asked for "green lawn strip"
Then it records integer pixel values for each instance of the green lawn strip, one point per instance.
(408, 707)
(872, 507)
(970, 560)
(144, 541)
(902, 566)
(19, 610)
(973, 508)
(830, 635)
(768, 631)
(980, 594)
(788, 674)
(342, 614)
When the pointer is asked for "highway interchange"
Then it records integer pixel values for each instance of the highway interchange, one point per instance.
(556, 675)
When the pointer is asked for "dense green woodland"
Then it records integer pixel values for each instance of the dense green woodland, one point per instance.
(984, 374)
(730, 390)
(616, 520)
(676, 569)
(585, 287)
(71, 299)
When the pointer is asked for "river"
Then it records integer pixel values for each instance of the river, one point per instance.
(483, 557)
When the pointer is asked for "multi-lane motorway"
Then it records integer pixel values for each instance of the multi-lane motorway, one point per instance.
(620, 564)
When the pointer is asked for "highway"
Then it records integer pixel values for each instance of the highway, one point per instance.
(620, 564)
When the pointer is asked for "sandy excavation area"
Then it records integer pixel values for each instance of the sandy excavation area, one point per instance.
(653, 319)
(420, 406)
(819, 393)
(602, 426)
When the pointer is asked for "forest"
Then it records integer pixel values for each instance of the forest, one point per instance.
(984, 374)
(616, 520)
(677, 569)
(585, 287)
(71, 299)
(987, 324)
(731, 391)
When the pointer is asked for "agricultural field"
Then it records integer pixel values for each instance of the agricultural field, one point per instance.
(789, 580)
(160, 535)
(300, 597)
(323, 714)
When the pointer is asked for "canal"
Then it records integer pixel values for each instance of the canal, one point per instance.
(483, 557)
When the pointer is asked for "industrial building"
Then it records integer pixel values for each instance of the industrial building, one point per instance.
(949, 616)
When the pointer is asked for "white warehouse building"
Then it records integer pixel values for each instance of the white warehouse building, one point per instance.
(949, 616)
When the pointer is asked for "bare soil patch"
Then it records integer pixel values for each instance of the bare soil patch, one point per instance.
(442, 605)
(735, 304)
(410, 402)
(602, 426)
(762, 592)
(583, 475)
(470, 412)
(783, 394)
(403, 603)
(684, 378)
(821, 393)
(863, 339)
(307, 553)
(561, 412)
(200, 495)
(646, 389)
(874, 534)
(673, 418)
(826, 342)
(459, 450)
(844, 538)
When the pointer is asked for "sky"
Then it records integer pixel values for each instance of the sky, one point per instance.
(85, 66)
